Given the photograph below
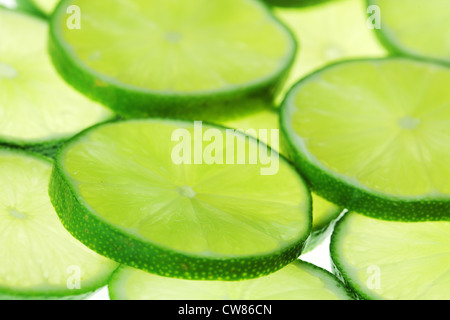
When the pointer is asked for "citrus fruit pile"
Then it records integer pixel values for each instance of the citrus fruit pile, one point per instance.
(179, 150)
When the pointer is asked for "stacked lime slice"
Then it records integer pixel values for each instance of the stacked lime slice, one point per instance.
(37, 108)
(393, 260)
(415, 27)
(297, 281)
(39, 258)
(179, 58)
(373, 136)
(153, 195)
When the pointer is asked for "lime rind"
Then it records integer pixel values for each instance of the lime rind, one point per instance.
(90, 283)
(298, 281)
(119, 245)
(131, 101)
(321, 230)
(336, 189)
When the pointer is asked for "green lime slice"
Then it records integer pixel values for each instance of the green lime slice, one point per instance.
(36, 106)
(183, 58)
(122, 189)
(372, 136)
(39, 258)
(45, 6)
(264, 125)
(415, 27)
(393, 260)
(328, 32)
(297, 281)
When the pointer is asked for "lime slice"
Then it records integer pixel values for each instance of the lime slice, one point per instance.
(264, 125)
(393, 260)
(45, 6)
(40, 259)
(328, 32)
(297, 281)
(373, 136)
(213, 57)
(121, 189)
(36, 106)
(415, 27)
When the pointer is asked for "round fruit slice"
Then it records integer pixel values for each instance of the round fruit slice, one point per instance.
(328, 32)
(178, 58)
(373, 136)
(393, 260)
(36, 106)
(264, 125)
(297, 281)
(182, 199)
(415, 27)
(45, 6)
(39, 258)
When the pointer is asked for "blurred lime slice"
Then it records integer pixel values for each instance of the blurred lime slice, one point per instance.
(326, 33)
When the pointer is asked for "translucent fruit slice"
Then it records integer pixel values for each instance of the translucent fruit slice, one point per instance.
(415, 27)
(393, 260)
(328, 32)
(265, 125)
(179, 58)
(373, 136)
(297, 281)
(39, 258)
(36, 106)
(125, 190)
